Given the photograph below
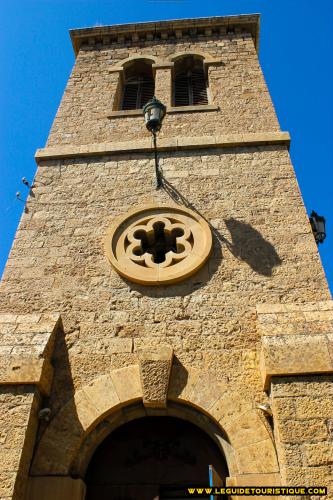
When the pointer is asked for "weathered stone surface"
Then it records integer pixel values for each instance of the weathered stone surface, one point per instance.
(102, 394)
(302, 431)
(18, 412)
(294, 354)
(155, 368)
(312, 407)
(127, 383)
(301, 406)
(258, 457)
(318, 453)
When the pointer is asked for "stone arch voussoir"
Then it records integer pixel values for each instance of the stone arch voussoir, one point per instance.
(197, 53)
(70, 426)
(195, 395)
(132, 59)
(249, 448)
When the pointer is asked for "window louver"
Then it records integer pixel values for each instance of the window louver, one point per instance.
(190, 88)
(137, 91)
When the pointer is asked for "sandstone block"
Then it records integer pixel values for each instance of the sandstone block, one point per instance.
(293, 431)
(258, 457)
(314, 407)
(101, 393)
(294, 354)
(318, 453)
(127, 383)
(155, 369)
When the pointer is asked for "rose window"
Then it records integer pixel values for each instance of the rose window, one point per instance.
(158, 245)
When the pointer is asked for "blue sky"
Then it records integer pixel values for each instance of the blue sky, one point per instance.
(296, 46)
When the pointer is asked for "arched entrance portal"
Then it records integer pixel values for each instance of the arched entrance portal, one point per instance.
(152, 458)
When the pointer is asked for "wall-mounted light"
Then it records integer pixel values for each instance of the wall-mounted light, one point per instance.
(154, 112)
(318, 224)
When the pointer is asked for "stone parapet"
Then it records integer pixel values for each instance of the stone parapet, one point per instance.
(165, 144)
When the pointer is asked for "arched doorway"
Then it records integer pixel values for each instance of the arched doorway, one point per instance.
(152, 458)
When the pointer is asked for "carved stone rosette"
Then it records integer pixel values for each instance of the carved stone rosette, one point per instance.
(156, 245)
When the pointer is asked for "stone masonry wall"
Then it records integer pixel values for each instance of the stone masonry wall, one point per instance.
(237, 87)
(58, 262)
(18, 423)
(303, 412)
(297, 340)
(263, 249)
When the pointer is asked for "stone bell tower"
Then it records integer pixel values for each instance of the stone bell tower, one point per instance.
(147, 334)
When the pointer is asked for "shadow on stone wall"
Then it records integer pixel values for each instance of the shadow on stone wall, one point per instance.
(248, 245)
(62, 389)
(201, 277)
(179, 378)
(62, 386)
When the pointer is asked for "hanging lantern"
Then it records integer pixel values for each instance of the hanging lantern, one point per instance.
(154, 112)
(318, 226)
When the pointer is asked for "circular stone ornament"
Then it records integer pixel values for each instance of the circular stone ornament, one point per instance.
(158, 245)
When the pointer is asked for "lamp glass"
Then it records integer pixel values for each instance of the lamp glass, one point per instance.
(154, 112)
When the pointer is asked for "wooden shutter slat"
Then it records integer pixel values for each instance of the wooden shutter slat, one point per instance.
(190, 88)
(137, 91)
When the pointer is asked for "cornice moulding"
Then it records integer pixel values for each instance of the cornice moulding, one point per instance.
(208, 26)
(164, 144)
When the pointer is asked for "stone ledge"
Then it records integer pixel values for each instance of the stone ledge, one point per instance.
(294, 355)
(171, 110)
(26, 370)
(124, 113)
(285, 319)
(164, 144)
(26, 347)
(192, 109)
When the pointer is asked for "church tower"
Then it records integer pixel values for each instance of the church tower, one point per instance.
(155, 337)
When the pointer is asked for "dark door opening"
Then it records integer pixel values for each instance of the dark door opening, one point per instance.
(153, 458)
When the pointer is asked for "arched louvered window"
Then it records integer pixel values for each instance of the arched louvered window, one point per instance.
(139, 85)
(190, 86)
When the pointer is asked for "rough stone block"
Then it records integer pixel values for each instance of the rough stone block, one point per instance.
(318, 453)
(101, 393)
(155, 368)
(314, 407)
(127, 383)
(246, 429)
(26, 370)
(293, 431)
(294, 354)
(258, 457)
